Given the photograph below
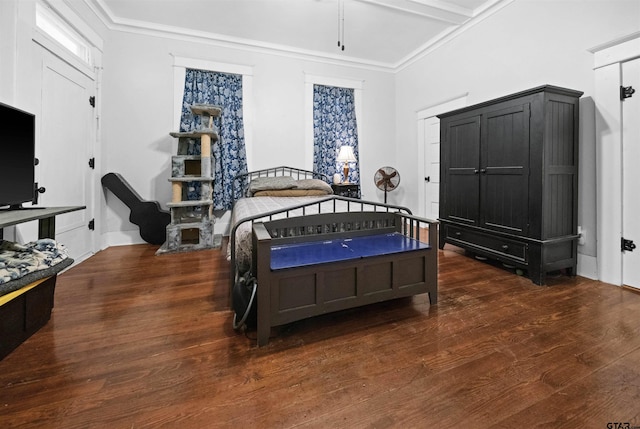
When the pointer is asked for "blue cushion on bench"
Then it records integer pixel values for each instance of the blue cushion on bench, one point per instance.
(320, 252)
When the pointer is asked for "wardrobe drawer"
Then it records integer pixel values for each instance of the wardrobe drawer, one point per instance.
(513, 249)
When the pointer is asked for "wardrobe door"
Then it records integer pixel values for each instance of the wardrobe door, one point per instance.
(504, 170)
(460, 157)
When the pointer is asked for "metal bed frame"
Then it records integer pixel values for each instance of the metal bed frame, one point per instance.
(330, 202)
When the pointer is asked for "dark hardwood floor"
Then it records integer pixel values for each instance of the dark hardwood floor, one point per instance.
(144, 341)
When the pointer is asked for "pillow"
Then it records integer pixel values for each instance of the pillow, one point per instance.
(290, 193)
(270, 183)
(316, 184)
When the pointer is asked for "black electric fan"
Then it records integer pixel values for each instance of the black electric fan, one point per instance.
(386, 179)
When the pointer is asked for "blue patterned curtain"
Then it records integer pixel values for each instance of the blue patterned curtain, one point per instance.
(230, 158)
(334, 125)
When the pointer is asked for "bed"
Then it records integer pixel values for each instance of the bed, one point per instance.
(276, 201)
(262, 221)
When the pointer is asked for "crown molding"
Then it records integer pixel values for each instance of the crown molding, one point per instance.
(115, 23)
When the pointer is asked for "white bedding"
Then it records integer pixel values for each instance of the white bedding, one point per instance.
(248, 207)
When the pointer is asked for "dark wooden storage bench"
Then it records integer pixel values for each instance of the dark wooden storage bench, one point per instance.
(24, 311)
(311, 265)
(26, 303)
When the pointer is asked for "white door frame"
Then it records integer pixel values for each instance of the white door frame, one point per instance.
(436, 109)
(608, 59)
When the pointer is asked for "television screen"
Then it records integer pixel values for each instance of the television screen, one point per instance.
(17, 156)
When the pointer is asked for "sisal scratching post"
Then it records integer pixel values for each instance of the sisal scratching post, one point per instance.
(205, 146)
(176, 192)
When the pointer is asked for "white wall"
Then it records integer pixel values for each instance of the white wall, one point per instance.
(8, 15)
(137, 114)
(526, 44)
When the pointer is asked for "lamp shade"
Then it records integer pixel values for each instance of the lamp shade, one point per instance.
(346, 154)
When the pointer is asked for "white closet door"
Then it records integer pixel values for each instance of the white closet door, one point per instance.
(63, 149)
(631, 174)
(432, 167)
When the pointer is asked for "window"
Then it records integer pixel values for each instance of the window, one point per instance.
(349, 133)
(334, 126)
(61, 32)
(229, 155)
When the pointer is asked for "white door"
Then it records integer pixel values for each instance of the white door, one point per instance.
(63, 148)
(432, 167)
(429, 151)
(631, 173)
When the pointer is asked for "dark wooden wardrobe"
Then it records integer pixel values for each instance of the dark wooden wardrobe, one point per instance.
(509, 180)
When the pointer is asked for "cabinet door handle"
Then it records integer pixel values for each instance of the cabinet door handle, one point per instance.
(483, 170)
(475, 171)
(505, 247)
(458, 233)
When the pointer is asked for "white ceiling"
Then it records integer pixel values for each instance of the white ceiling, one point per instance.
(385, 33)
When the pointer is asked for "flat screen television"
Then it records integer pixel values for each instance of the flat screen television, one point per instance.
(17, 157)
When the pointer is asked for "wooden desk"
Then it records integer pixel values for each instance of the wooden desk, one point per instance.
(46, 217)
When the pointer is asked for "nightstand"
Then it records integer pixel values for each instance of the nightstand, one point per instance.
(350, 190)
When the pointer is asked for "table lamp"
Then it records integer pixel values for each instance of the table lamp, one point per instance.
(346, 155)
